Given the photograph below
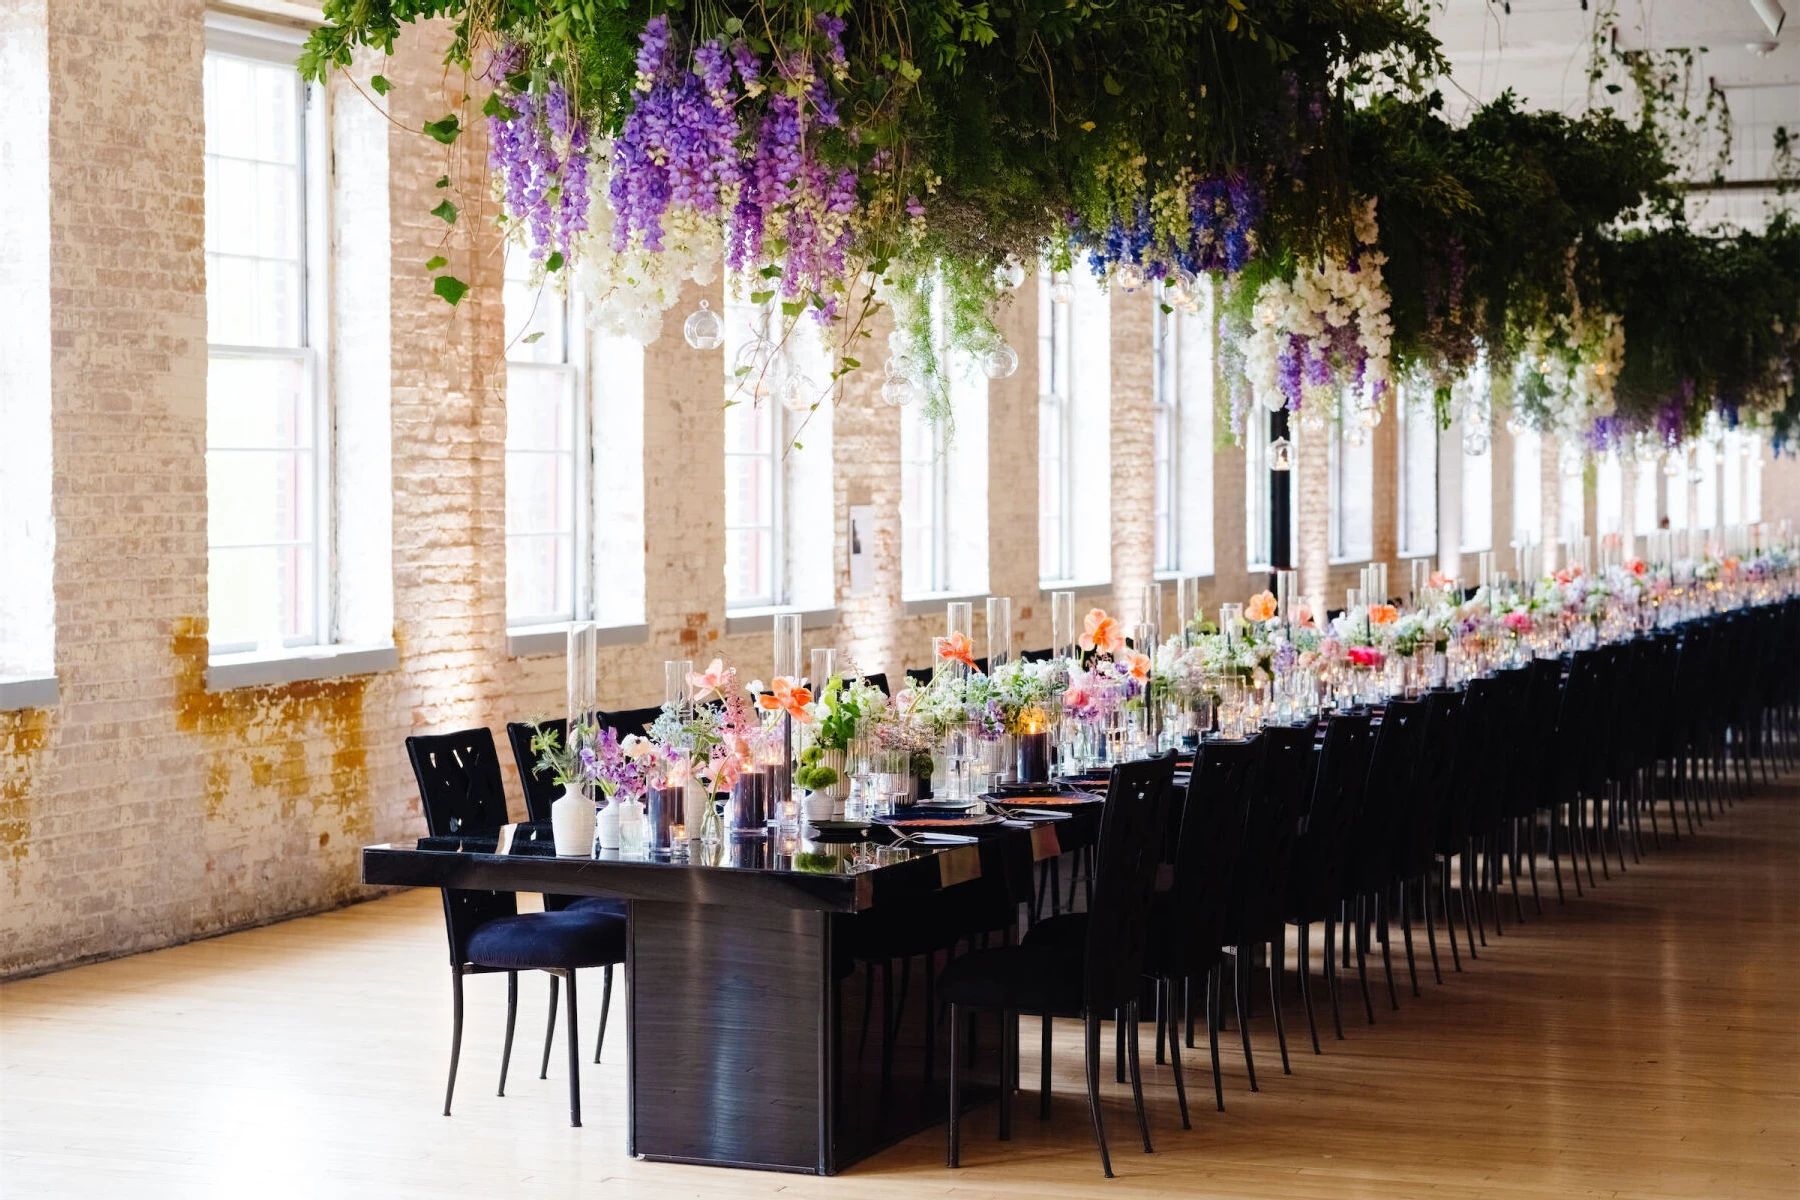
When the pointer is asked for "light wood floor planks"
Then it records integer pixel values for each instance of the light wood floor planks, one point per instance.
(1643, 1041)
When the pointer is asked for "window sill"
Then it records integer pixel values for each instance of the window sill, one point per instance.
(28, 691)
(924, 606)
(1178, 576)
(759, 620)
(543, 641)
(260, 669)
(1102, 588)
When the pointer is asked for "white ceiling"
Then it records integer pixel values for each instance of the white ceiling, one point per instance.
(1541, 51)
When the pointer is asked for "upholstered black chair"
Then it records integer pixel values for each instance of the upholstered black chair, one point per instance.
(626, 721)
(1387, 807)
(1089, 977)
(1271, 831)
(461, 791)
(540, 793)
(1317, 878)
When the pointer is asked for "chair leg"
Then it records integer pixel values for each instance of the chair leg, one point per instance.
(1008, 1049)
(1471, 897)
(1119, 1047)
(512, 1013)
(1331, 985)
(1362, 955)
(1437, 972)
(1240, 986)
(1187, 1009)
(1449, 916)
(574, 1059)
(1518, 901)
(1278, 961)
(1044, 1073)
(549, 1030)
(605, 1007)
(1463, 898)
(1537, 901)
(1093, 1090)
(1168, 995)
(1387, 959)
(953, 1152)
(1312, 1021)
(1137, 1081)
(1412, 967)
(1214, 1003)
(1555, 858)
(456, 982)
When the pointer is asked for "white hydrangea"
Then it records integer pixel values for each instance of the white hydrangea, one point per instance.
(1321, 299)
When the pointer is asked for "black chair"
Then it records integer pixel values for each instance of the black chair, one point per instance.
(1416, 827)
(1271, 831)
(540, 793)
(1090, 977)
(1036, 655)
(461, 791)
(877, 680)
(1386, 808)
(629, 720)
(918, 676)
(1189, 926)
(1322, 853)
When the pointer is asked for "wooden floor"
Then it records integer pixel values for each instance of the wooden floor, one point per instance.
(1642, 1041)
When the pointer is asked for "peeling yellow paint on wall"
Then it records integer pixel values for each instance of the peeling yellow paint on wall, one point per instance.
(260, 737)
(23, 733)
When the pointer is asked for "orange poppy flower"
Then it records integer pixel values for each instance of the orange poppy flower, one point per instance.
(783, 696)
(1138, 665)
(956, 648)
(1261, 607)
(1101, 633)
(1383, 614)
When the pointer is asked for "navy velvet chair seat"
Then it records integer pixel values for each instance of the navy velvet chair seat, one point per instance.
(579, 936)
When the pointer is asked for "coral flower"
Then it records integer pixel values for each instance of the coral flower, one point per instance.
(1518, 622)
(1637, 566)
(1261, 607)
(1303, 616)
(956, 648)
(1439, 580)
(1101, 633)
(710, 682)
(1383, 614)
(1138, 665)
(783, 696)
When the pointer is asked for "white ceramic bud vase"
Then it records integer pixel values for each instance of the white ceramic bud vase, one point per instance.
(606, 826)
(839, 791)
(572, 823)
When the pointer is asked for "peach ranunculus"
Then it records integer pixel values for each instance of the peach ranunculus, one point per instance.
(710, 682)
(1439, 580)
(1101, 633)
(1135, 664)
(1261, 607)
(1383, 614)
(1564, 576)
(783, 696)
(956, 648)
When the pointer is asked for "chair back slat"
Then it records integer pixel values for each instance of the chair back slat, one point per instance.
(1271, 832)
(461, 791)
(540, 791)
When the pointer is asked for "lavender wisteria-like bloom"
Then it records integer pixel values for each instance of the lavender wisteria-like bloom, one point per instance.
(539, 158)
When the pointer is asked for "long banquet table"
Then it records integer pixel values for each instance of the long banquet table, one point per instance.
(747, 1014)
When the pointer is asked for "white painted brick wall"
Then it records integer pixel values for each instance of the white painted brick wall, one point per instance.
(143, 810)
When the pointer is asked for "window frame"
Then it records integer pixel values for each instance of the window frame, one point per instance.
(1166, 432)
(936, 529)
(1056, 413)
(574, 371)
(268, 43)
(1407, 414)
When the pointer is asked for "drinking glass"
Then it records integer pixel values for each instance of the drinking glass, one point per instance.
(824, 666)
(1062, 625)
(959, 617)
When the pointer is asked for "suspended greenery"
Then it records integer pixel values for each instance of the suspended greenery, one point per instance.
(837, 157)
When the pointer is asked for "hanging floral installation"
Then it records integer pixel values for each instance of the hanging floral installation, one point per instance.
(834, 158)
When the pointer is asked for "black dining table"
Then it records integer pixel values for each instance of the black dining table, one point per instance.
(748, 1007)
